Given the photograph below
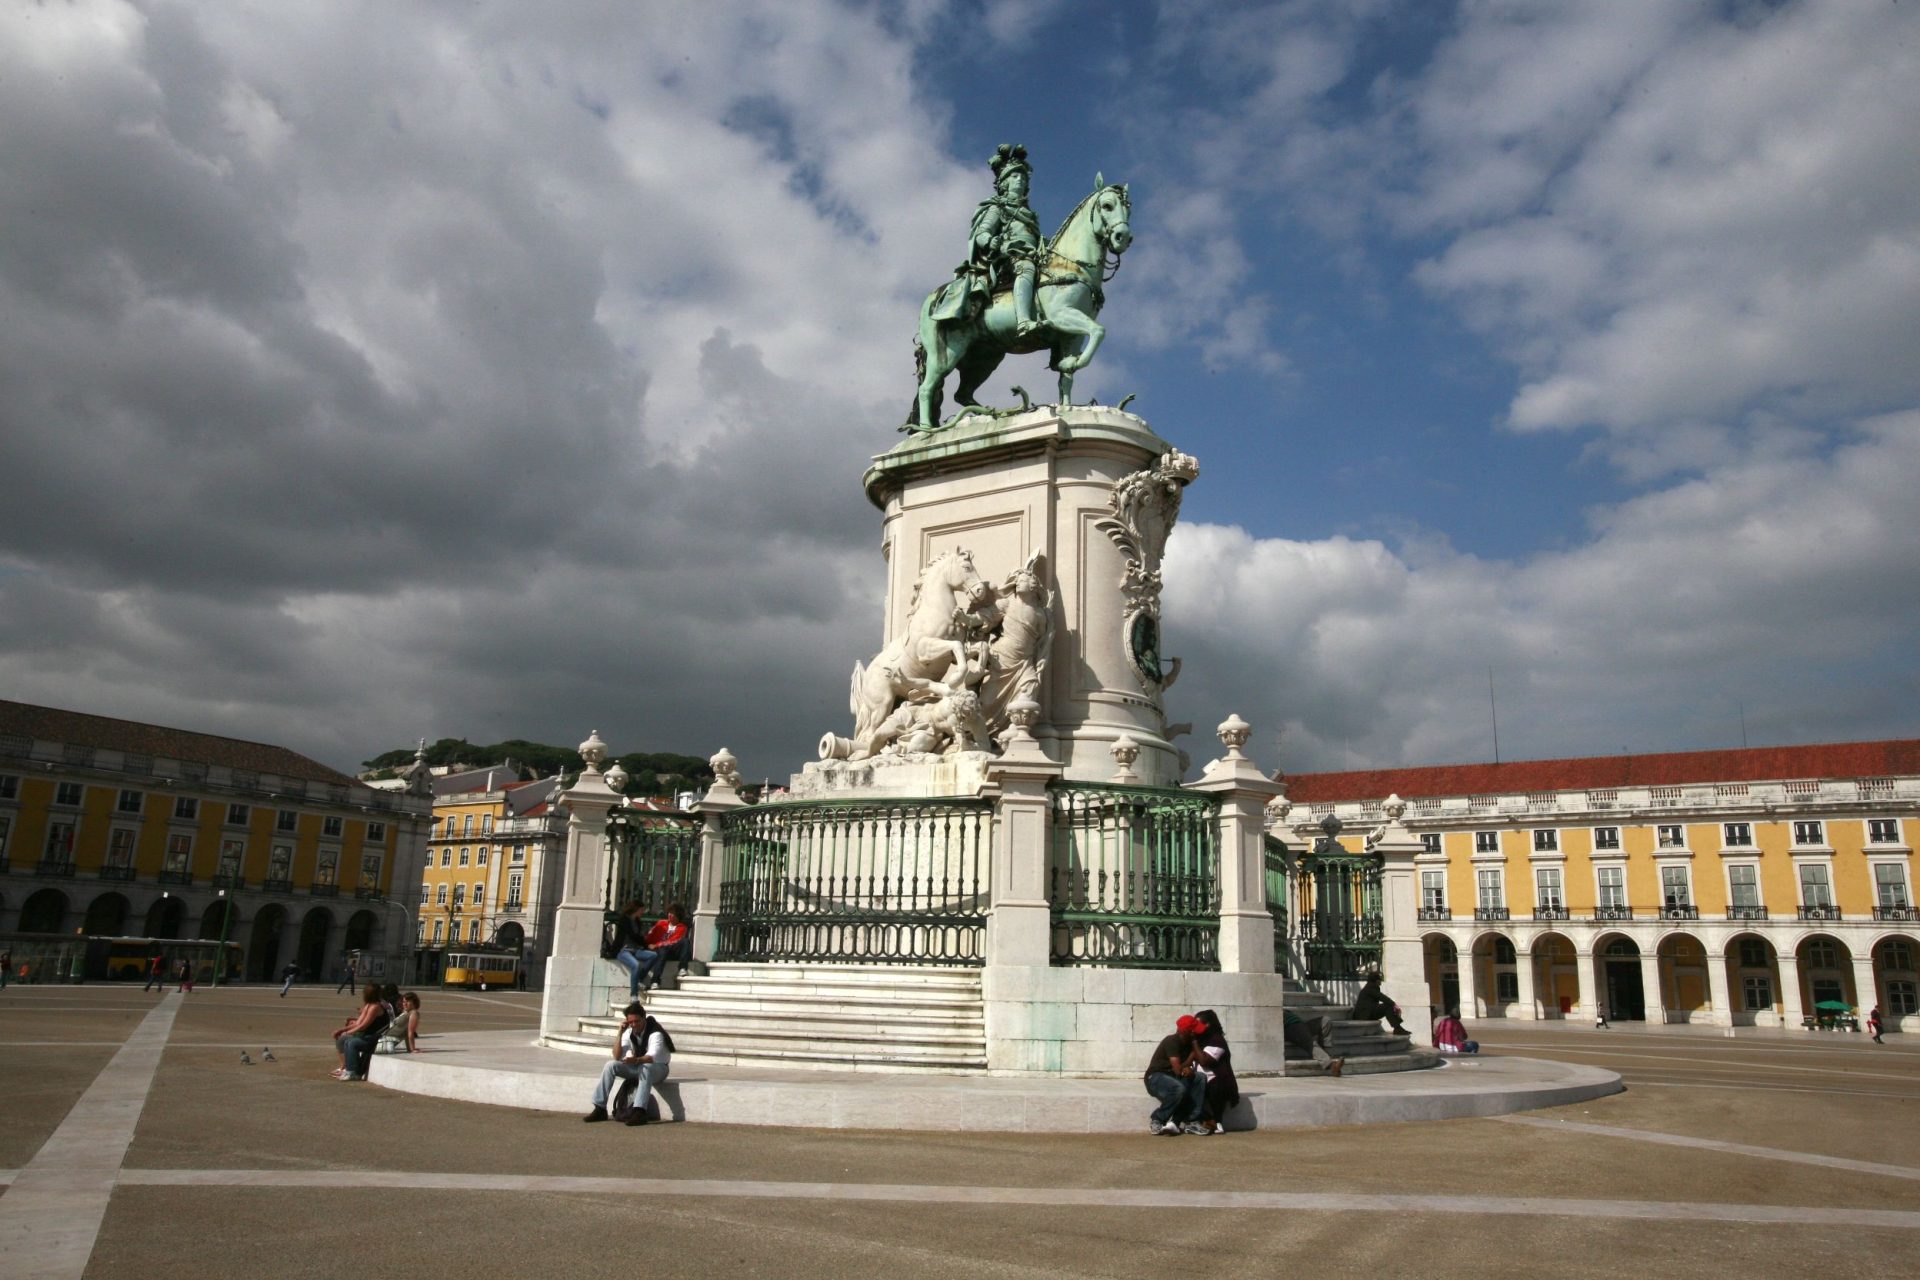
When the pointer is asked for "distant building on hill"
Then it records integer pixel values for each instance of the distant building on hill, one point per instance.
(1739, 888)
(117, 828)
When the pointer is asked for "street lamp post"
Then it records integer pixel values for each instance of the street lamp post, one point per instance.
(226, 928)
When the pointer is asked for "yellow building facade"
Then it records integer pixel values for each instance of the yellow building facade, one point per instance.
(114, 828)
(492, 871)
(1732, 887)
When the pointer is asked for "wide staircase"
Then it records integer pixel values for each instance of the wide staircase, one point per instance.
(892, 1018)
(849, 1017)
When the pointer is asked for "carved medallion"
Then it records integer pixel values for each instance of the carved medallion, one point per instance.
(1143, 507)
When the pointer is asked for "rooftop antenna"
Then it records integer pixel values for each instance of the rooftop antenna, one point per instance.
(1494, 707)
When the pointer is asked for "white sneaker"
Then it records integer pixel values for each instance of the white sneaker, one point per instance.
(1169, 1130)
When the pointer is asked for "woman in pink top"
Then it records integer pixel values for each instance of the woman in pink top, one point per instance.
(1450, 1035)
(668, 940)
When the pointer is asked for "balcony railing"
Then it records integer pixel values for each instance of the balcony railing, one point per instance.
(117, 873)
(1823, 911)
(1612, 913)
(1436, 913)
(1550, 913)
(61, 868)
(227, 880)
(367, 891)
(323, 890)
(1908, 913)
(276, 886)
(1746, 913)
(176, 877)
(1679, 911)
(511, 909)
(1490, 913)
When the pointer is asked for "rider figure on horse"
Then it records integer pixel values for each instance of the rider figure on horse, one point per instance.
(1006, 239)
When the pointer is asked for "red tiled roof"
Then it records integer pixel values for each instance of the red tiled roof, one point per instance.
(1668, 769)
(54, 725)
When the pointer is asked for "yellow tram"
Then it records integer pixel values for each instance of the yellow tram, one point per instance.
(481, 968)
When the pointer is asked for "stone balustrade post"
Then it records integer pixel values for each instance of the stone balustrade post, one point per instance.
(722, 798)
(1403, 962)
(578, 920)
(1246, 928)
(1019, 928)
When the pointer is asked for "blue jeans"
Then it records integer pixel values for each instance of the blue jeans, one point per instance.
(648, 1074)
(632, 961)
(1181, 1098)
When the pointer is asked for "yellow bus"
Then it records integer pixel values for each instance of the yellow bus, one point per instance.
(480, 969)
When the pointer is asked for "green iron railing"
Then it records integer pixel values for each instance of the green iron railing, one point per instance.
(894, 881)
(655, 861)
(1337, 913)
(1133, 879)
(1277, 899)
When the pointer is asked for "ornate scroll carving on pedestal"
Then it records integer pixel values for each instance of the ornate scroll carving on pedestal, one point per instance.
(1144, 506)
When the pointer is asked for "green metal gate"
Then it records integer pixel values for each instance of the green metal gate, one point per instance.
(655, 861)
(1133, 879)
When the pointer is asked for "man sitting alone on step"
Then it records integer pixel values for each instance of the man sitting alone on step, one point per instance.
(1371, 1006)
(641, 1053)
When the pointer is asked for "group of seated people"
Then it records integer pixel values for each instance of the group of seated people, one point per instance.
(644, 951)
(387, 1022)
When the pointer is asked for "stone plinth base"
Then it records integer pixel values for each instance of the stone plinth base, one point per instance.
(957, 775)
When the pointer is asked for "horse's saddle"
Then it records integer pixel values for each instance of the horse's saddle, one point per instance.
(950, 303)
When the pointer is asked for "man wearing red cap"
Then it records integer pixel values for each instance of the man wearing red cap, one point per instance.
(1171, 1079)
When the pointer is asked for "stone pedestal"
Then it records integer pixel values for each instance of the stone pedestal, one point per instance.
(721, 799)
(578, 920)
(1246, 927)
(1045, 481)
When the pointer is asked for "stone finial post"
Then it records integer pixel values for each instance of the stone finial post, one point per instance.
(722, 798)
(577, 921)
(1018, 928)
(1246, 929)
(1402, 957)
(1124, 752)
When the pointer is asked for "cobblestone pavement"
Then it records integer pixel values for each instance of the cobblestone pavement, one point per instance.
(134, 1142)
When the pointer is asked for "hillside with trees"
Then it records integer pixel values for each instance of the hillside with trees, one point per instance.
(655, 773)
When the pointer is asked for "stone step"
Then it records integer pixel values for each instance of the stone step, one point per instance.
(724, 1051)
(875, 993)
(888, 975)
(877, 1005)
(695, 1029)
(1370, 1064)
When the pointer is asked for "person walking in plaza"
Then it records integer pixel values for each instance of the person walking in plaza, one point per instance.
(1310, 1036)
(1371, 1005)
(1450, 1035)
(287, 975)
(1171, 1078)
(642, 1053)
(1874, 1026)
(185, 976)
(6, 966)
(353, 975)
(669, 939)
(156, 973)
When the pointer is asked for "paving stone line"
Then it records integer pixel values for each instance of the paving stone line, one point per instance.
(1704, 1063)
(1062, 1197)
(1711, 1144)
(52, 1211)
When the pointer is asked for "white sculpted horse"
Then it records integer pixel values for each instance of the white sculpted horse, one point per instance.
(918, 659)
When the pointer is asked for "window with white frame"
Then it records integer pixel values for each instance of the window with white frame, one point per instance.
(440, 896)
(486, 824)
(1613, 887)
(420, 932)
(230, 852)
(370, 871)
(1546, 840)
(237, 815)
(1810, 832)
(326, 869)
(1433, 890)
(1670, 836)
(1606, 837)
(1816, 890)
(1674, 891)
(129, 802)
(1547, 888)
(479, 892)
(9, 786)
(286, 821)
(1896, 956)
(179, 853)
(1744, 881)
(1883, 831)
(466, 826)
(459, 897)
(1890, 885)
(186, 808)
(68, 794)
(446, 857)
(480, 856)
(1736, 835)
(1486, 842)
(59, 851)
(515, 884)
(1822, 954)
(519, 853)
(1492, 895)
(1758, 992)
(473, 931)
(439, 928)
(376, 832)
(280, 863)
(1430, 842)
(332, 827)
(1903, 997)
(120, 847)
(1754, 954)
(465, 855)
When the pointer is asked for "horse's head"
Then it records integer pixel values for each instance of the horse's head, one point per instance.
(1112, 212)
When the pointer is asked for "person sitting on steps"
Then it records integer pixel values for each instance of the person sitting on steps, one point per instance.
(1310, 1035)
(1371, 1006)
(642, 1053)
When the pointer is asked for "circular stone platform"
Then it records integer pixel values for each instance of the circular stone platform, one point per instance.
(503, 1068)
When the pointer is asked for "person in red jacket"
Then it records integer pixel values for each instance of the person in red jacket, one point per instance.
(669, 939)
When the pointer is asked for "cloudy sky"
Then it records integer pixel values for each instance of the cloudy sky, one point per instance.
(371, 371)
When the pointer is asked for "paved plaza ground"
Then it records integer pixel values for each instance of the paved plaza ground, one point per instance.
(1763, 1154)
